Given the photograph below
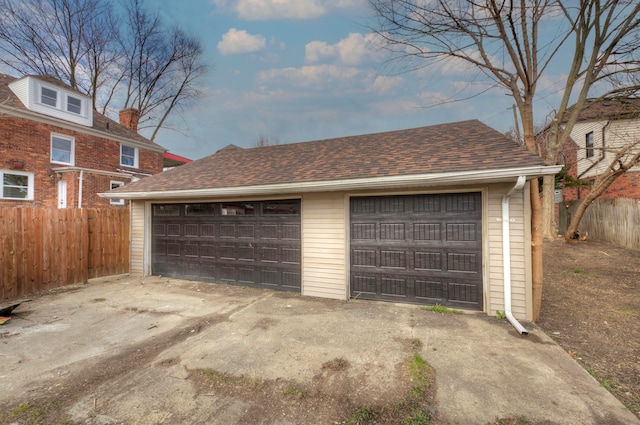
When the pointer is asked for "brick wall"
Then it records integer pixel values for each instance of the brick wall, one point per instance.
(29, 141)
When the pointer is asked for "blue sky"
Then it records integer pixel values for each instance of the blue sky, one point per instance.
(301, 70)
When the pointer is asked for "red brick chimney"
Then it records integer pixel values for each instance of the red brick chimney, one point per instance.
(129, 118)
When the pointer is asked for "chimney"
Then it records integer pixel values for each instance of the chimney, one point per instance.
(129, 118)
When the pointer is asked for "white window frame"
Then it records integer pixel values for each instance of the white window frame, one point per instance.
(18, 173)
(80, 106)
(135, 157)
(62, 100)
(115, 184)
(40, 97)
(72, 156)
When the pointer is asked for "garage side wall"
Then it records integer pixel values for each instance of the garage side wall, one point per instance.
(137, 238)
(324, 270)
(520, 253)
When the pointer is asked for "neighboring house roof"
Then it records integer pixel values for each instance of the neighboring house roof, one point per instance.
(445, 149)
(101, 123)
(627, 108)
(173, 160)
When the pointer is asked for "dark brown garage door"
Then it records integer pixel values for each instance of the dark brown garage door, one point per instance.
(244, 243)
(419, 249)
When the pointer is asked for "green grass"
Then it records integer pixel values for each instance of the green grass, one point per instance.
(224, 379)
(441, 309)
(296, 392)
(625, 312)
(416, 409)
(363, 415)
(21, 409)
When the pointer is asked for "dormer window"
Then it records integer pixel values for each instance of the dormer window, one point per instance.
(44, 96)
(59, 99)
(48, 97)
(74, 105)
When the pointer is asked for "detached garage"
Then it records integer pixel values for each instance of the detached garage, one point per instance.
(422, 216)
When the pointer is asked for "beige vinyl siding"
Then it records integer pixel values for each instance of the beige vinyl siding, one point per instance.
(324, 270)
(617, 133)
(137, 238)
(519, 234)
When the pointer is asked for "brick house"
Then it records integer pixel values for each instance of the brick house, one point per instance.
(56, 150)
(602, 128)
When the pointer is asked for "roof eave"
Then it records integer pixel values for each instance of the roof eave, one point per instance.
(390, 182)
(59, 122)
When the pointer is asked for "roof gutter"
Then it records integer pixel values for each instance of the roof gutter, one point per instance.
(506, 255)
(389, 182)
(91, 171)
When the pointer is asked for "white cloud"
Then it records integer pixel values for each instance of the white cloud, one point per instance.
(262, 10)
(316, 77)
(352, 50)
(239, 41)
(317, 51)
(387, 85)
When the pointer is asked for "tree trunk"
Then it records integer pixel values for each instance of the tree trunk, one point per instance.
(536, 249)
(549, 231)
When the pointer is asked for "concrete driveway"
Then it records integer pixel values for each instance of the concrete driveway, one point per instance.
(126, 351)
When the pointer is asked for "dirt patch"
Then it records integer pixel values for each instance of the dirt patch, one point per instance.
(591, 307)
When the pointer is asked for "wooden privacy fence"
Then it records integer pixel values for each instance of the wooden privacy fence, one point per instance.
(45, 248)
(611, 220)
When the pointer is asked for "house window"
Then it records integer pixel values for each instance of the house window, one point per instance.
(48, 97)
(74, 105)
(128, 156)
(589, 144)
(17, 185)
(62, 149)
(115, 185)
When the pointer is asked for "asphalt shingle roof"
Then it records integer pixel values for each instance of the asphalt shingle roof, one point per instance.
(101, 122)
(628, 108)
(454, 147)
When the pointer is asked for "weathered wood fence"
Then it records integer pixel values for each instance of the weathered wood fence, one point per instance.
(611, 220)
(45, 248)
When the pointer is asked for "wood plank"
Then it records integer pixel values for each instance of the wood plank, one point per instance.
(38, 230)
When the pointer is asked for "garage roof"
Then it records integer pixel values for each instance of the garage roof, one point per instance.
(455, 149)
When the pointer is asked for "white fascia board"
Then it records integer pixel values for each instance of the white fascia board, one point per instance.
(91, 171)
(390, 182)
(59, 122)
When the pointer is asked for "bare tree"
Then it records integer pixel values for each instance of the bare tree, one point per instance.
(132, 62)
(161, 67)
(620, 155)
(267, 141)
(67, 39)
(501, 39)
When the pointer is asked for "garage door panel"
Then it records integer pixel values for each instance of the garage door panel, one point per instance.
(229, 242)
(393, 259)
(463, 293)
(393, 286)
(363, 284)
(417, 248)
(433, 291)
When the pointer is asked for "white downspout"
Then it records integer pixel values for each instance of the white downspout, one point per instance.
(506, 255)
(80, 189)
